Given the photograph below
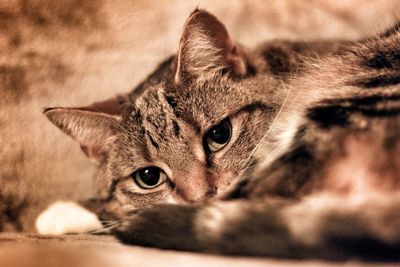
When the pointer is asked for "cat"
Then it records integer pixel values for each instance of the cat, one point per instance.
(272, 60)
(252, 152)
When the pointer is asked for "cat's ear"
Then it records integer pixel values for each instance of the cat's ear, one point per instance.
(206, 48)
(90, 126)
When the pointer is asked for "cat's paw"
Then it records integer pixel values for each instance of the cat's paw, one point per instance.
(165, 226)
(66, 217)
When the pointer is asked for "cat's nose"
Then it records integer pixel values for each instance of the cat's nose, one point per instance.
(195, 186)
(189, 196)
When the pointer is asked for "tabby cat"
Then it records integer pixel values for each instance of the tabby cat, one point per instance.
(287, 151)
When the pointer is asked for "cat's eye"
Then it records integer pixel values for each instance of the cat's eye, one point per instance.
(150, 177)
(218, 136)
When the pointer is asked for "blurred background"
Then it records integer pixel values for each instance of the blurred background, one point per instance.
(74, 52)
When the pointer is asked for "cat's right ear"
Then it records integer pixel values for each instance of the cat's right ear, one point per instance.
(90, 126)
(206, 49)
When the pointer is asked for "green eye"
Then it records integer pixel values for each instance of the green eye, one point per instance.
(218, 136)
(150, 177)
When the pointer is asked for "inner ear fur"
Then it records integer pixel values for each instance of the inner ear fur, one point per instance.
(90, 126)
(206, 49)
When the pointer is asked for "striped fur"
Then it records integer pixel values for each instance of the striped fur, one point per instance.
(332, 191)
(311, 168)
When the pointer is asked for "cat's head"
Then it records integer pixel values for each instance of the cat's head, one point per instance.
(188, 132)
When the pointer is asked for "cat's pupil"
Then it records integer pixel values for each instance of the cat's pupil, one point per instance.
(218, 136)
(149, 176)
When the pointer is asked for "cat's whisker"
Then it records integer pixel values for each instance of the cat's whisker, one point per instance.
(315, 53)
(109, 224)
(107, 221)
(282, 113)
(106, 229)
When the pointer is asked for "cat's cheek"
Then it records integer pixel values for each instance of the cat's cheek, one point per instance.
(66, 217)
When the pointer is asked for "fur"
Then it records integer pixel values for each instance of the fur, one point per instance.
(302, 118)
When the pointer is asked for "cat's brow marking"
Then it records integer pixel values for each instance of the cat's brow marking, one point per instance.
(154, 143)
(177, 129)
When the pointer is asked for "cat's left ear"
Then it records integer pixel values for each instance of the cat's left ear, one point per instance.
(206, 49)
(90, 126)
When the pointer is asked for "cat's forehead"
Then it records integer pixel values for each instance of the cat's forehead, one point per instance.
(201, 104)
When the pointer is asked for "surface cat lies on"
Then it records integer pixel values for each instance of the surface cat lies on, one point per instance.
(265, 152)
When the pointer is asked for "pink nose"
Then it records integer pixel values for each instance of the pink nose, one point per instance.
(194, 190)
(195, 185)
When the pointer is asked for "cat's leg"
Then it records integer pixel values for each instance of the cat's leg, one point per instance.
(64, 217)
(235, 227)
(321, 226)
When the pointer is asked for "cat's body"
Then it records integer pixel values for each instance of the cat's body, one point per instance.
(264, 146)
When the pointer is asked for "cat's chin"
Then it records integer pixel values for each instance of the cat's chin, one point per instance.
(66, 218)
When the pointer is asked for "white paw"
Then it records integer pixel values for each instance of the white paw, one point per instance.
(66, 217)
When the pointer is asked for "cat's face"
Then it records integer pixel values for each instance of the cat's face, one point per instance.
(191, 131)
(187, 143)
